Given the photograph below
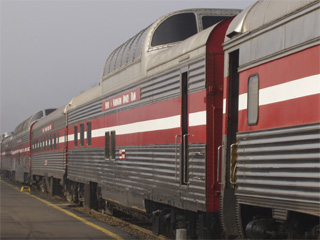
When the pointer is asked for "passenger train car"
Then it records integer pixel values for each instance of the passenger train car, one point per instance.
(271, 131)
(145, 138)
(192, 126)
(19, 142)
(49, 150)
(6, 150)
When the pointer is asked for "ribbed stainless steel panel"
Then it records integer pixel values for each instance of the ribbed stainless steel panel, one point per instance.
(21, 155)
(6, 148)
(159, 88)
(197, 71)
(6, 163)
(152, 172)
(280, 168)
(52, 164)
(83, 164)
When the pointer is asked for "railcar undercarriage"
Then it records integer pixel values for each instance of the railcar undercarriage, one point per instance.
(259, 223)
(165, 219)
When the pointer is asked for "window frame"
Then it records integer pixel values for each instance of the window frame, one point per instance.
(81, 134)
(253, 104)
(159, 30)
(89, 133)
(106, 145)
(75, 134)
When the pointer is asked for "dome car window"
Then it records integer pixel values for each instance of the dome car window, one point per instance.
(208, 21)
(174, 29)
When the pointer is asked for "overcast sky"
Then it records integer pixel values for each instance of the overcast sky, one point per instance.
(53, 50)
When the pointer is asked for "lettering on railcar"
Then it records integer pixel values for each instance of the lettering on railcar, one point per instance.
(47, 128)
(120, 100)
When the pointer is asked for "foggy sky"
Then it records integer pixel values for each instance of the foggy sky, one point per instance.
(53, 50)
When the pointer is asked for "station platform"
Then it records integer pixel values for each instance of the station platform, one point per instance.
(27, 216)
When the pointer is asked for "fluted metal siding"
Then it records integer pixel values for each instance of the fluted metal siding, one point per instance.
(20, 163)
(159, 88)
(148, 171)
(151, 172)
(196, 76)
(52, 164)
(83, 164)
(280, 168)
(6, 148)
(59, 123)
(6, 163)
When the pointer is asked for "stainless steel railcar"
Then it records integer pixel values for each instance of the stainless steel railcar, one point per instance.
(20, 153)
(144, 138)
(166, 135)
(49, 151)
(271, 133)
(6, 160)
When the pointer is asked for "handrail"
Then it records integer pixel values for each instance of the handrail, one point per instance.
(218, 165)
(176, 144)
(232, 169)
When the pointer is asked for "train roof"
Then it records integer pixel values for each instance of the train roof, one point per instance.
(6, 137)
(165, 32)
(129, 62)
(59, 112)
(25, 125)
(132, 60)
(83, 98)
(262, 13)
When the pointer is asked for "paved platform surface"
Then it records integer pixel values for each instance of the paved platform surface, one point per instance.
(26, 216)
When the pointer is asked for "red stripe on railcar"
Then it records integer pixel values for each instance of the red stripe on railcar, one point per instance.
(283, 114)
(285, 69)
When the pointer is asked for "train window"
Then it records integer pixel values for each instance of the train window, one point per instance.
(55, 140)
(253, 100)
(138, 46)
(174, 29)
(114, 59)
(89, 129)
(119, 57)
(75, 136)
(37, 116)
(113, 145)
(106, 145)
(208, 21)
(51, 142)
(108, 63)
(48, 111)
(82, 134)
(110, 145)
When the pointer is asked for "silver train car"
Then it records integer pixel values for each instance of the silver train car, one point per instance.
(271, 140)
(20, 154)
(192, 126)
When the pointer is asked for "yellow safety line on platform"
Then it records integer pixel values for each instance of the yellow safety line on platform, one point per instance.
(109, 233)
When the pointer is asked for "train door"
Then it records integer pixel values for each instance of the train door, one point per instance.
(233, 104)
(184, 129)
(228, 201)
